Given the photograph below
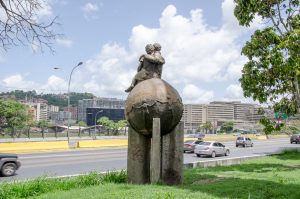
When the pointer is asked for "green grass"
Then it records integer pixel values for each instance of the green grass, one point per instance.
(268, 177)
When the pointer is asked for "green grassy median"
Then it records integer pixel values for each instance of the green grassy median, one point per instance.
(275, 176)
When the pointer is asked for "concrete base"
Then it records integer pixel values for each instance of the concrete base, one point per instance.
(165, 153)
(172, 156)
(155, 161)
(138, 158)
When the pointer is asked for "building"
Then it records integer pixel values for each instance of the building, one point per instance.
(53, 112)
(74, 112)
(38, 110)
(93, 114)
(104, 103)
(193, 115)
(242, 114)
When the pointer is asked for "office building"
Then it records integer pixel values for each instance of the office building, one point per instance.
(93, 114)
(104, 103)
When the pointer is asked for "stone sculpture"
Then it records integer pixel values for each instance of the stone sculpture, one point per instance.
(153, 110)
(150, 65)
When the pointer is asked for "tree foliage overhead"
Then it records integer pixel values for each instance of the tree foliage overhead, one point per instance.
(20, 23)
(271, 74)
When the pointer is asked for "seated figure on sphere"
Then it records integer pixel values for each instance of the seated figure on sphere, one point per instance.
(148, 67)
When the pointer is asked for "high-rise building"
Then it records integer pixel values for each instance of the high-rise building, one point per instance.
(39, 110)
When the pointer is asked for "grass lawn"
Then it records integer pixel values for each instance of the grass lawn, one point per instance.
(268, 177)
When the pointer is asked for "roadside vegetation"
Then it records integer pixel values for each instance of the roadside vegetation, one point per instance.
(275, 176)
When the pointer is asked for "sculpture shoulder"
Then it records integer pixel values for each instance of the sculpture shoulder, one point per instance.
(155, 58)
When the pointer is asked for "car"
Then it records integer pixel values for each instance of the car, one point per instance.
(295, 138)
(189, 145)
(9, 163)
(211, 148)
(243, 141)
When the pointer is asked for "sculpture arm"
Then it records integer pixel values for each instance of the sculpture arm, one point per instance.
(154, 59)
(140, 67)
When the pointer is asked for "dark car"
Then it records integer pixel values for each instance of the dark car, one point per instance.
(295, 138)
(189, 145)
(9, 163)
(243, 141)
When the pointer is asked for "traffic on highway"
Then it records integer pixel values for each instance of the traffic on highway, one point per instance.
(74, 162)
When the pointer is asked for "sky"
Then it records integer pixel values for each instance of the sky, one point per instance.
(201, 43)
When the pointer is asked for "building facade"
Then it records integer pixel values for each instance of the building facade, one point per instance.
(38, 110)
(93, 114)
(242, 114)
(103, 103)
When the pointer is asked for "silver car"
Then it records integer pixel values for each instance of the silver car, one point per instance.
(211, 148)
(243, 141)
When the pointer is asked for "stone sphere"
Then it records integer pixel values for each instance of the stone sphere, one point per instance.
(153, 98)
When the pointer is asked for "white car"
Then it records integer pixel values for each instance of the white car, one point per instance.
(211, 148)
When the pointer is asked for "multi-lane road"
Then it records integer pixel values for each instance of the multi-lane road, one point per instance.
(74, 162)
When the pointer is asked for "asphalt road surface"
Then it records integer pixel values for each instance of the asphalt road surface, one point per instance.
(73, 162)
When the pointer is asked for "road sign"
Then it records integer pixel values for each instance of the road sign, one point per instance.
(280, 115)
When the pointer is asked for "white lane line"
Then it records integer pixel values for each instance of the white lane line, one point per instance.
(72, 158)
(70, 155)
(73, 162)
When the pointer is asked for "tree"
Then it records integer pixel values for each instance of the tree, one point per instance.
(20, 24)
(121, 124)
(43, 124)
(13, 115)
(106, 122)
(227, 126)
(207, 126)
(82, 123)
(272, 72)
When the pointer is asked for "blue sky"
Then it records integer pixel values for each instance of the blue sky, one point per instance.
(201, 42)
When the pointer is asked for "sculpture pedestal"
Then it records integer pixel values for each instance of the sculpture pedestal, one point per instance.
(156, 159)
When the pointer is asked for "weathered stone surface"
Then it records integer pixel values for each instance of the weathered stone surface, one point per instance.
(155, 160)
(138, 158)
(153, 98)
(172, 156)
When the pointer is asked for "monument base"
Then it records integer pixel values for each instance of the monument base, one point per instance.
(156, 159)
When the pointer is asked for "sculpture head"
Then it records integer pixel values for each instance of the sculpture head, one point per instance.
(149, 48)
(157, 46)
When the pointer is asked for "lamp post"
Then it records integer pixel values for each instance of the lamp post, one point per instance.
(96, 123)
(69, 113)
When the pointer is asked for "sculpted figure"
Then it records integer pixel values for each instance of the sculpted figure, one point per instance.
(150, 65)
(157, 54)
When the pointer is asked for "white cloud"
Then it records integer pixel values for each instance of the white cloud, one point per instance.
(89, 7)
(191, 94)
(18, 82)
(64, 42)
(55, 85)
(46, 9)
(197, 56)
(234, 91)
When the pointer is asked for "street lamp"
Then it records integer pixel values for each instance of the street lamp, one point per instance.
(96, 122)
(69, 114)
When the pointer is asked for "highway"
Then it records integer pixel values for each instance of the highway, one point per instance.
(73, 162)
